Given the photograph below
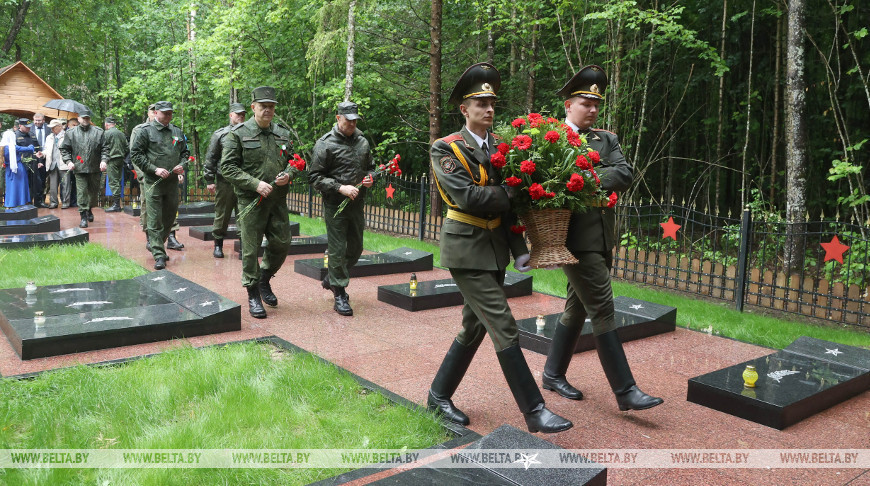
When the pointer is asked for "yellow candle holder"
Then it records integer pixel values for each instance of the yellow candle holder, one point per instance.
(750, 376)
(326, 259)
(413, 282)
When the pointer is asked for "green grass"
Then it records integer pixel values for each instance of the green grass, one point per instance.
(239, 396)
(63, 264)
(693, 312)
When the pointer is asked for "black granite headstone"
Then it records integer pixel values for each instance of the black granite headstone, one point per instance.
(635, 319)
(41, 224)
(18, 213)
(808, 376)
(506, 456)
(434, 294)
(198, 207)
(73, 235)
(198, 219)
(132, 211)
(299, 245)
(98, 315)
(204, 233)
(400, 260)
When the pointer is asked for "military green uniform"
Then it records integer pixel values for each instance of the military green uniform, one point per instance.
(89, 144)
(252, 154)
(156, 146)
(140, 175)
(118, 150)
(225, 200)
(341, 160)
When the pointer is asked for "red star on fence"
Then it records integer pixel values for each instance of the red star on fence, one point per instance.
(390, 191)
(670, 228)
(834, 250)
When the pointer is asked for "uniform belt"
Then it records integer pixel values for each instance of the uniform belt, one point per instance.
(484, 223)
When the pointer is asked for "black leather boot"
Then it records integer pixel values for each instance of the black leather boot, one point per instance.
(218, 248)
(558, 359)
(528, 397)
(84, 221)
(325, 283)
(172, 243)
(116, 205)
(159, 263)
(90, 216)
(447, 380)
(255, 306)
(618, 373)
(266, 293)
(342, 304)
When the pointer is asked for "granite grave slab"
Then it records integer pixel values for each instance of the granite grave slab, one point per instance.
(132, 211)
(400, 260)
(41, 224)
(98, 315)
(27, 211)
(299, 245)
(506, 456)
(635, 319)
(434, 294)
(69, 236)
(198, 219)
(198, 207)
(204, 233)
(808, 376)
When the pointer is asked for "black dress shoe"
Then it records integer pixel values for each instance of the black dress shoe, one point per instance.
(446, 408)
(159, 263)
(561, 386)
(543, 420)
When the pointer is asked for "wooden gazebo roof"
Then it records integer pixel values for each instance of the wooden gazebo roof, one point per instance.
(22, 93)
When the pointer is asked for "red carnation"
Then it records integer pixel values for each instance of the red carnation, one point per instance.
(191, 158)
(513, 181)
(504, 148)
(582, 163)
(528, 167)
(80, 159)
(497, 159)
(552, 136)
(595, 157)
(573, 138)
(397, 157)
(522, 142)
(297, 162)
(518, 122)
(536, 191)
(597, 180)
(535, 116)
(612, 200)
(552, 120)
(518, 229)
(576, 183)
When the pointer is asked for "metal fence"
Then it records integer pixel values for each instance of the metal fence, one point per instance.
(735, 259)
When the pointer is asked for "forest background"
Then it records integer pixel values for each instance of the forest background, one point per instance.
(717, 104)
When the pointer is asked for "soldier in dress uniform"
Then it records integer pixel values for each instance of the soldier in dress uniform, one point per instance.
(254, 160)
(591, 237)
(224, 196)
(476, 245)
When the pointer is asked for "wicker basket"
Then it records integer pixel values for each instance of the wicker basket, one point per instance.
(547, 230)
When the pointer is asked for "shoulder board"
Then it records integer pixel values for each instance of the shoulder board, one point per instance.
(451, 138)
(325, 136)
(602, 130)
(240, 125)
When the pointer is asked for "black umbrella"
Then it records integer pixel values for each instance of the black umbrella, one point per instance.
(66, 105)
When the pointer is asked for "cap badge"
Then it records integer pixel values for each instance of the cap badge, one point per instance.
(594, 88)
(486, 87)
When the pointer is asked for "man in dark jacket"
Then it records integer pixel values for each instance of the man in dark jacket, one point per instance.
(342, 159)
(118, 147)
(84, 147)
(225, 200)
(591, 237)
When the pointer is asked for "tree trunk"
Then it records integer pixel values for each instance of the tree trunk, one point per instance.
(743, 197)
(490, 39)
(795, 138)
(513, 44)
(774, 154)
(348, 71)
(17, 23)
(533, 60)
(434, 95)
(717, 173)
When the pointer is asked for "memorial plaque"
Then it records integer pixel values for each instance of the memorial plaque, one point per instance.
(98, 315)
(808, 376)
(299, 245)
(400, 260)
(205, 232)
(65, 237)
(506, 456)
(24, 212)
(41, 224)
(635, 319)
(198, 219)
(434, 294)
(129, 209)
(198, 207)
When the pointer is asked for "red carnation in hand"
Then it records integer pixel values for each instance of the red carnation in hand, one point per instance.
(297, 162)
(612, 200)
(497, 159)
(504, 148)
(595, 157)
(518, 122)
(513, 181)
(552, 136)
(576, 183)
(522, 142)
(582, 163)
(80, 159)
(397, 157)
(528, 167)
(518, 229)
(536, 191)
(191, 158)
(597, 180)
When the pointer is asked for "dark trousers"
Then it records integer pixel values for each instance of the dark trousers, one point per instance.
(344, 240)
(269, 219)
(225, 203)
(162, 208)
(486, 308)
(589, 292)
(88, 186)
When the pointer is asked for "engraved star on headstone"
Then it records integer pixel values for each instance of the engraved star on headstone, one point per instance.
(208, 302)
(158, 278)
(636, 306)
(835, 351)
(180, 289)
(408, 253)
(528, 459)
